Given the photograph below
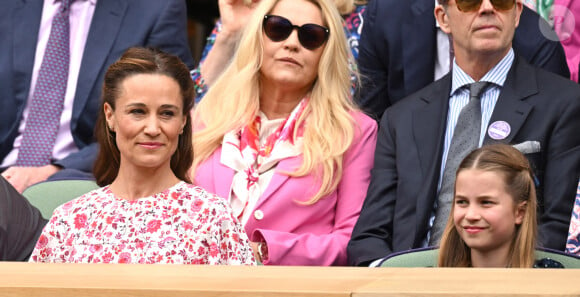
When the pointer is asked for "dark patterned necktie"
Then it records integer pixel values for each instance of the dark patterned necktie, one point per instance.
(48, 98)
(465, 139)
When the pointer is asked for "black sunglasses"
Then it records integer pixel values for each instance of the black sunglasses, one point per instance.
(473, 5)
(311, 36)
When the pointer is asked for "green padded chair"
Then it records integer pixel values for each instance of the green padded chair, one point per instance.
(46, 196)
(424, 257)
(427, 257)
(567, 260)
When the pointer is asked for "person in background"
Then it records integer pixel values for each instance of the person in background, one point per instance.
(491, 95)
(403, 49)
(20, 224)
(563, 16)
(146, 211)
(493, 218)
(279, 137)
(222, 42)
(566, 18)
(53, 57)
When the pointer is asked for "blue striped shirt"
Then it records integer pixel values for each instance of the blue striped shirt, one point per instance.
(459, 97)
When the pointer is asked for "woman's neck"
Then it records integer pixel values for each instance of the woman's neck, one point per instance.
(496, 258)
(134, 183)
(278, 103)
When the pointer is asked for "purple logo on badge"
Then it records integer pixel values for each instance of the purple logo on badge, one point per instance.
(499, 130)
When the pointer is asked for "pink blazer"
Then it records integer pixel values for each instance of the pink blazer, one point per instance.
(299, 234)
(566, 14)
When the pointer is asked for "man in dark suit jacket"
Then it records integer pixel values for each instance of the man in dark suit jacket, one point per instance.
(20, 224)
(534, 107)
(398, 50)
(116, 25)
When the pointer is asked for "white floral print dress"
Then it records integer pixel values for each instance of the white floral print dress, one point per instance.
(184, 224)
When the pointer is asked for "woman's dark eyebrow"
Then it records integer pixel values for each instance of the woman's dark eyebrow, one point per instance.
(169, 106)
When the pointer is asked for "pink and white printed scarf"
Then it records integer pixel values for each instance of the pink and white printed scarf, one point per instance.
(252, 161)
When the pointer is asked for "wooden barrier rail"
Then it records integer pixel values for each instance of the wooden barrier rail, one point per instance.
(85, 280)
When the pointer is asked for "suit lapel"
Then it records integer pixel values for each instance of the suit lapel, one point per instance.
(511, 106)
(419, 50)
(106, 23)
(26, 21)
(429, 125)
(279, 178)
(222, 176)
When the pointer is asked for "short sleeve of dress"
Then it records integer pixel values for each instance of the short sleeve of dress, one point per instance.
(57, 241)
(225, 240)
(50, 239)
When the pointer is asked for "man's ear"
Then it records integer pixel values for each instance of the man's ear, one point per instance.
(521, 212)
(519, 8)
(441, 17)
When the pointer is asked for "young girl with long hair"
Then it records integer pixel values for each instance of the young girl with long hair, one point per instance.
(493, 218)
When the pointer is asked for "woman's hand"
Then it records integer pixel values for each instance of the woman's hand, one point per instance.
(235, 14)
(255, 247)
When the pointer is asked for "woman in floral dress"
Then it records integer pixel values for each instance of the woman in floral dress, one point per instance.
(146, 211)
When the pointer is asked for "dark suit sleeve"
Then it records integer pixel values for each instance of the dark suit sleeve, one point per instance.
(20, 224)
(537, 42)
(373, 233)
(82, 160)
(372, 95)
(561, 171)
(170, 32)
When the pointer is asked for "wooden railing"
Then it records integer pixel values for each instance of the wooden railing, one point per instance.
(84, 280)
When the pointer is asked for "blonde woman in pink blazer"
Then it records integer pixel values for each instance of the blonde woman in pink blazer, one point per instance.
(278, 136)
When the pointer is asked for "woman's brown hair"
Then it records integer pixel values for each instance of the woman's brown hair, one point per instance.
(142, 61)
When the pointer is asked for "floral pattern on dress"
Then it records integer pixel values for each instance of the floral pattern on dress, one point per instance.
(183, 224)
(352, 27)
(573, 243)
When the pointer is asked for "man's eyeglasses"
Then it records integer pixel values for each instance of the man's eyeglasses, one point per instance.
(473, 5)
(311, 36)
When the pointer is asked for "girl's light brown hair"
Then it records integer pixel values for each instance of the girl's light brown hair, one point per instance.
(519, 180)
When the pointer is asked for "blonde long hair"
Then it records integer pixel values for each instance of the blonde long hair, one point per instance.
(518, 177)
(233, 101)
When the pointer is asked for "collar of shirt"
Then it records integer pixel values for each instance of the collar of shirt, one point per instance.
(497, 75)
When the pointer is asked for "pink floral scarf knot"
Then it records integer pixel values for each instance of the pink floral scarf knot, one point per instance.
(242, 151)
